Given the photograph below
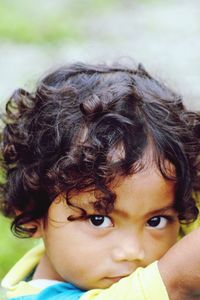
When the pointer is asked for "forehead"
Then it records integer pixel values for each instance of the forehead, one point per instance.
(144, 191)
(147, 187)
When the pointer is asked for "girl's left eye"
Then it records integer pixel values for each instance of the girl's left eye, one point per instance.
(158, 222)
(100, 221)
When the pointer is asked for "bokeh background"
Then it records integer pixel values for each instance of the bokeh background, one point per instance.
(36, 36)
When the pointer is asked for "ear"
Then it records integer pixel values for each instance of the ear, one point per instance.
(37, 224)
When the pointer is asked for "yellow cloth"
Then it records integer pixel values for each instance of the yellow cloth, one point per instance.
(13, 281)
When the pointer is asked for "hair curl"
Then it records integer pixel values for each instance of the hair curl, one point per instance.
(61, 137)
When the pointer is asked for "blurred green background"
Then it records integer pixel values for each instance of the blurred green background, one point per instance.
(36, 36)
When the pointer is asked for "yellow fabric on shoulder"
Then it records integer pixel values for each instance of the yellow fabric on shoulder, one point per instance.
(14, 282)
(22, 289)
(143, 284)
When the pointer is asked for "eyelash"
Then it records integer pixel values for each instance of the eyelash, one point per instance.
(109, 222)
(105, 218)
(169, 219)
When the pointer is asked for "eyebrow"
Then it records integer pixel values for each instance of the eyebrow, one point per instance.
(163, 210)
(159, 211)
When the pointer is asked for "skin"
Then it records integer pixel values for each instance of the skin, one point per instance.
(181, 273)
(98, 251)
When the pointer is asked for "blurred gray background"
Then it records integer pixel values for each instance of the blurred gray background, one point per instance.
(36, 36)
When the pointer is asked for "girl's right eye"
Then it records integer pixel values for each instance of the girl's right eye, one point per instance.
(100, 221)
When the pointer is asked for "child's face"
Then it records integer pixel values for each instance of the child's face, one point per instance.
(97, 252)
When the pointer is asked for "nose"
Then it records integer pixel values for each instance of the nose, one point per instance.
(128, 247)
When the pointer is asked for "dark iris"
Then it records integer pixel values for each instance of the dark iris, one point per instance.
(97, 220)
(155, 221)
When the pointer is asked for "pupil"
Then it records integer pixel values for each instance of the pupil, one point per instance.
(154, 221)
(97, 220)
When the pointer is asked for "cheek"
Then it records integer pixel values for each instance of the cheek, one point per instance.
(77, 262)
(70, 250)
(161, 243)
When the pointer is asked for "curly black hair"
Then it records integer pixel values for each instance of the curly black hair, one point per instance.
(61, 138)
